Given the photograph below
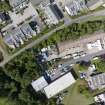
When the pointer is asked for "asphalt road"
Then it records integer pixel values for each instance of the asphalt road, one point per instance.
(85, 58)
(80, 19)
(36, 2)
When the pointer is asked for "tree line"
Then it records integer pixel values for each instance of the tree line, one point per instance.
(74, 32)
(16, 78)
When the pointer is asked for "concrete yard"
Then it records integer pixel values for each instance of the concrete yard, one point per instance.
(28, 12)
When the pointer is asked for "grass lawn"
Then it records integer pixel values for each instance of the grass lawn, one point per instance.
(96, 18)
(99, 64)
(75, 98)
(5, 101)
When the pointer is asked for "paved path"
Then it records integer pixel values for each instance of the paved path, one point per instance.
(85, 58)
(80, 19)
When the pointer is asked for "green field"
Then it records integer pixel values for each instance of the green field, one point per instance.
(75, 98)
(5, 101)
(93, 18)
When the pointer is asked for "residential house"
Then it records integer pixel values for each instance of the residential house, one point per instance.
(35, 27)
(100, 99)
(52, 13)
(9, 40)
(27, 31)
(96, 81)
(14, 37)
(93, 4)
(4, 17)
(18, 5)
(75, 7)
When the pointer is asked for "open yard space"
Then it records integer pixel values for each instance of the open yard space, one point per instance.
(75, 98)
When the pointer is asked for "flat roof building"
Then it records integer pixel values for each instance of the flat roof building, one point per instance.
(94, 46)
(39, 84)
(59, 85)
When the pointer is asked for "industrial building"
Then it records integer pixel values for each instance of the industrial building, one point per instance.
(39, 84)
(55, 81)
(59, 85)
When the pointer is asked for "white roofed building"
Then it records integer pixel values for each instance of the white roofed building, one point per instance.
(95, 46)
(39, 84)
(59, 85)
(100, 99)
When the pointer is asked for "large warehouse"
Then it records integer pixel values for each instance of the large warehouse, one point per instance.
(59, 85)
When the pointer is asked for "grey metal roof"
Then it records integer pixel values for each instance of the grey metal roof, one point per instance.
(26, 29)
(8, 39)
(56, 11)
(15, 3)
(92, 2)
(97, 81)
(2, 17)
(39, 84)
(15, 34)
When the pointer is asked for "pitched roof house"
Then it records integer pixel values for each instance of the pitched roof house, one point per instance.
(97, 81)
(17, 5)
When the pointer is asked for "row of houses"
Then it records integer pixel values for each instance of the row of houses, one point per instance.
(75, 7)
(24, 23)
(18, 5)
(15, 36)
